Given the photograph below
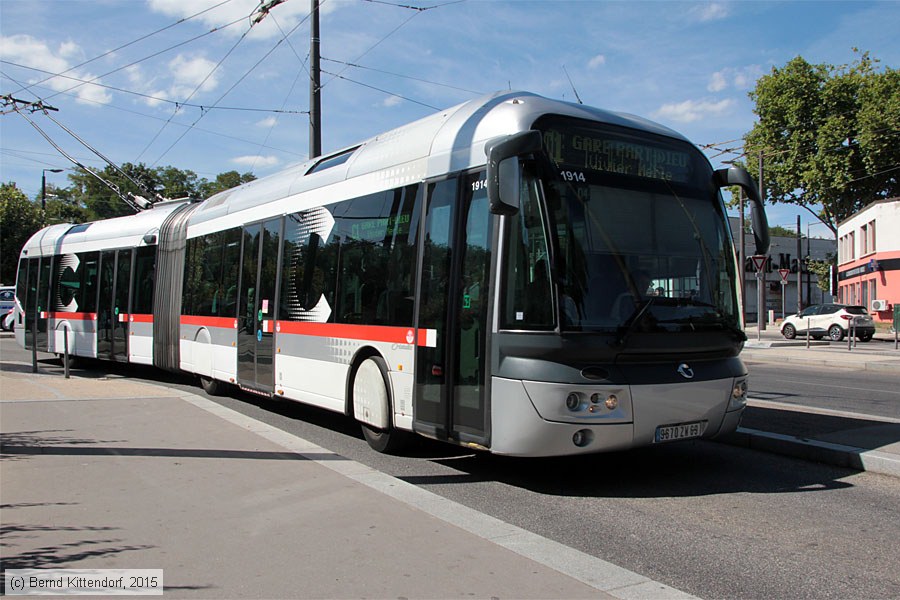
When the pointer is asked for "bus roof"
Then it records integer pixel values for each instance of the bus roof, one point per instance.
(449, 141)
(120, 232)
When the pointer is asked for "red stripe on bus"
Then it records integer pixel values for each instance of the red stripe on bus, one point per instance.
(225, 322)
(135, 318)
(73, 316)
(371, 333)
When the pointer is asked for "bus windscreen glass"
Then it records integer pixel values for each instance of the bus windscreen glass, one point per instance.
(640, 231)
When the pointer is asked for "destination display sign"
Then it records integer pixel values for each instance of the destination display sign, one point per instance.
(579, 150)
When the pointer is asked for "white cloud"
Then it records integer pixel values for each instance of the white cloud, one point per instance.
(177, 82)
(32, 52)
(741, 79)
(256, 161)
(717, 82)
(714, 11)
(690, 111)
(392, 101)
(188, 73)
(597, 61)
(287, 14)
(267, 122)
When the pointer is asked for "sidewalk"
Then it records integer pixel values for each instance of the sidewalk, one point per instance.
(110, 473)
(877, 354)
(843, 439)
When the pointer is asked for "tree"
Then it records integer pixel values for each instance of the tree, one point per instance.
(102, 202)
(19, 219)
(822, 270)
(828, 135)
(224, 181)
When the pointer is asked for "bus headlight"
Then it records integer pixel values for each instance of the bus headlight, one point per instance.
(738, 395)
(573, 401)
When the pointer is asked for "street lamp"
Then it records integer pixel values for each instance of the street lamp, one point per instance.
(44, 185)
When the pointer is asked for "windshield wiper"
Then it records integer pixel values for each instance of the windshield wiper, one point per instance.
(623, 336)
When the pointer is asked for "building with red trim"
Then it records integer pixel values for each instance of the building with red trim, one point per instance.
(869, 258)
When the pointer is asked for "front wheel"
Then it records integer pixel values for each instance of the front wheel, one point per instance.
(371, 401)
(835, 333)
(789, 332)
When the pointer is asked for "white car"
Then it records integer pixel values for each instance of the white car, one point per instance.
(7, 304)
(833, 320)
(8, 321)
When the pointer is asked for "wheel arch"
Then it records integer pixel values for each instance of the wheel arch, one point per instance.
(361, 355)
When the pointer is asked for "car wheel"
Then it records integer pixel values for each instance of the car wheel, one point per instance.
(865, 337)
(789, 332)
(835, 333)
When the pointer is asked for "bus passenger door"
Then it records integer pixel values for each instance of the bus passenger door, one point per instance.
(256, 316)
(113, 305)
(451, 400)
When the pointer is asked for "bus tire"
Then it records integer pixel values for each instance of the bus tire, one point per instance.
(73, 361)
(384, 440)
(211, 386)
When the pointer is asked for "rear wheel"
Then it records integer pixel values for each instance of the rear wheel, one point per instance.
(835, 333)
(211, 386)
(865, 337)
(789, 332)
(73, 360)
(370, 393)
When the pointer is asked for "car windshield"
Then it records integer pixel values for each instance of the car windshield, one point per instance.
(640, 231)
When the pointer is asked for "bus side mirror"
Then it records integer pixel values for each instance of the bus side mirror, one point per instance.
(504, 173)
(740, 177)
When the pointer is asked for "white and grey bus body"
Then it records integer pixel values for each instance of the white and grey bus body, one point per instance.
(445, 363)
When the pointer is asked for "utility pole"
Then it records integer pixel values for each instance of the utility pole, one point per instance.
(315, 89)
(742, 258)
(799, 269)
(761, 295)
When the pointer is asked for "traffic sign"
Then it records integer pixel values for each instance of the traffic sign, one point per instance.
(759, 261)
(784, 275)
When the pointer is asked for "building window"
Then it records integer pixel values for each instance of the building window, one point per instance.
(871, 236)
(863, 240)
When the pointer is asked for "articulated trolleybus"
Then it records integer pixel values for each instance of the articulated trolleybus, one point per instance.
(515, 274)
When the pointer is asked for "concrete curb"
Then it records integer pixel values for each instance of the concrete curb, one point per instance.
(595, 572)
(839, 455)
(761, 355)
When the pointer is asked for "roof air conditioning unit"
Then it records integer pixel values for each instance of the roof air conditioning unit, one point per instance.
(879, 305)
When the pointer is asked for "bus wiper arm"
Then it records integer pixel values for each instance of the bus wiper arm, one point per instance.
(623, 337)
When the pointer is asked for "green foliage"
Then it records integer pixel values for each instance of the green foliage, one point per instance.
(779, 231)
(822, 270)
(89, 199)
(828, 135)
(224, 181)
(19, 219)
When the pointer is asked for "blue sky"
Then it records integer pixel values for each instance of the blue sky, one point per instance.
(688, 65)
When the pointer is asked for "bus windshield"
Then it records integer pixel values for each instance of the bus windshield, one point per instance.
(640, 233)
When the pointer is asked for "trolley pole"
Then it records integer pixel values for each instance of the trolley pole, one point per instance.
(315, 88)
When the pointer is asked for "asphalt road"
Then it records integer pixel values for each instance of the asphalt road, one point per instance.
(867, 392)
(713, 520)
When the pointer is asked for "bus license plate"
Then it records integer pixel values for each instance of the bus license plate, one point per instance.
(682, 431)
